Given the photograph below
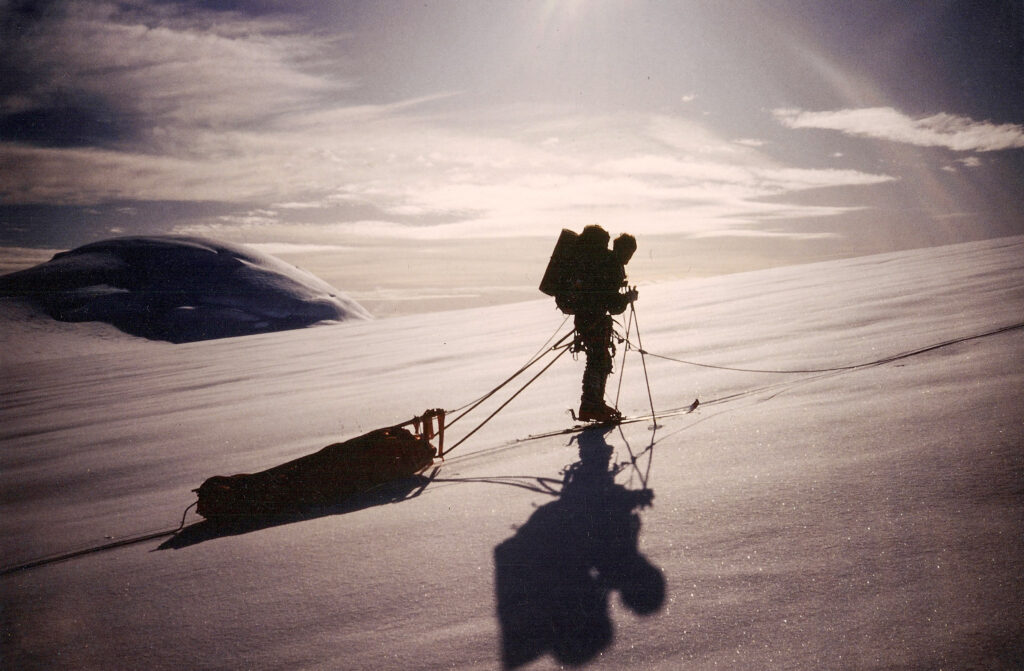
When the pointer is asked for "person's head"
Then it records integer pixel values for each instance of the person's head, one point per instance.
(623, 248)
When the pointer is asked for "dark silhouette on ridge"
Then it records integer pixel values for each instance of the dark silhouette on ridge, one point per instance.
(587, 280)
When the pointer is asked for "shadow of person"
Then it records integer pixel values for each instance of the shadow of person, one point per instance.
(553, 578)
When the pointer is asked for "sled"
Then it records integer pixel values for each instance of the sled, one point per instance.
(327, 477)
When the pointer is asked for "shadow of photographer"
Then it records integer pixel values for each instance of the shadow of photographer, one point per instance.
(553, 578)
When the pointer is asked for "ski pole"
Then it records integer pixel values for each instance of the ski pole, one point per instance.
(643, 359)
(622, 368)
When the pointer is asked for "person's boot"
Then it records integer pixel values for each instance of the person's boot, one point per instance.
(592, 405)
(597, 411)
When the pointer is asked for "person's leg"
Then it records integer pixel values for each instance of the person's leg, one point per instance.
(595, 335)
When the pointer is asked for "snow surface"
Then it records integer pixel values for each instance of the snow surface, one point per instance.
(859, 519)
(179, 289)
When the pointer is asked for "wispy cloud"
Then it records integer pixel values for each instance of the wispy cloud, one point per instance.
(168, 68)
(939, 130)
(298, 248)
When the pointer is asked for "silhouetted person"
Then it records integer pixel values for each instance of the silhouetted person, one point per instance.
(599, 277)
(553, 578)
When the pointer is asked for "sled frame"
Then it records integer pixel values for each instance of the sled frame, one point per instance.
(428, 426)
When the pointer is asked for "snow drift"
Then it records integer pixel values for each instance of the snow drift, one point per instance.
(179, 289)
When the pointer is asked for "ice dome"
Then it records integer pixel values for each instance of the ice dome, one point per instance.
(179, 289)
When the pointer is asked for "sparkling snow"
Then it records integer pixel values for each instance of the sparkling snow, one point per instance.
(868, 518)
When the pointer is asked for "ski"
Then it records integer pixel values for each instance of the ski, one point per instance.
(628, 419)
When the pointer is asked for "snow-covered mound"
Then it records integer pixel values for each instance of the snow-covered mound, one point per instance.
(180, 289)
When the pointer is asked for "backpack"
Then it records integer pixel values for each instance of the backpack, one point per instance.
(559, 277)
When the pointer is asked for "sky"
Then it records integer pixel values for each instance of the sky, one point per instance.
(782, 130)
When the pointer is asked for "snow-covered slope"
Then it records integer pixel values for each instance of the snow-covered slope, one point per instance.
(862, 518)
(179, 289)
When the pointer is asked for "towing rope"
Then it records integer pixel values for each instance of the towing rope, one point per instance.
(563, 348)
(540, 354)
(130, 540)
(877, 362)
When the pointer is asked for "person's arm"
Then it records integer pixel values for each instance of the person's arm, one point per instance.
(618, 302)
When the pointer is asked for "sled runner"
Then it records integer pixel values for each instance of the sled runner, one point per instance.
(335, 473)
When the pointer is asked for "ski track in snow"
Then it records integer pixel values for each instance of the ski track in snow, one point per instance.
(862, 519)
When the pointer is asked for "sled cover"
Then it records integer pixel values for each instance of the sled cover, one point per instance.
(329, 476)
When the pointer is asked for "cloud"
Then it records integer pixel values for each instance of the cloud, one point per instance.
(168, 67)
(762, 233)
(756, 180)
(254, 112)
(967, 162)
(616, 170)
(410, 176)
(276, 248)
(939, 130)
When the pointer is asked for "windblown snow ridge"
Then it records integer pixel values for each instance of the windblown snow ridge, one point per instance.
(179, 289)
